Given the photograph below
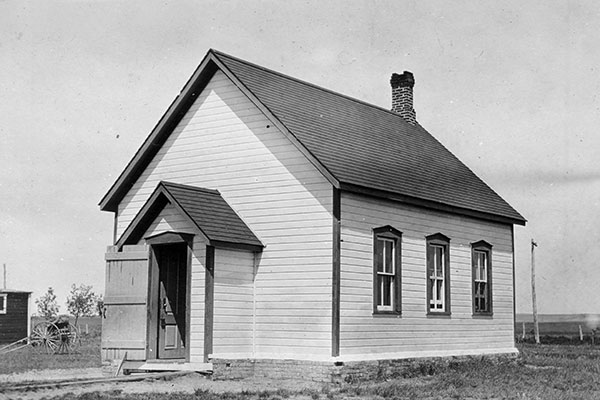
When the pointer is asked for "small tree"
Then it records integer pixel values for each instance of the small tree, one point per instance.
(46, 304)
(81, 301)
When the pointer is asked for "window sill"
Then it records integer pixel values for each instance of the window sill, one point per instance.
(485, 315)
(445, 314)
(387, 314)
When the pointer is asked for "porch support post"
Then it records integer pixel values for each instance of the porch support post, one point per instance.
(209, 297)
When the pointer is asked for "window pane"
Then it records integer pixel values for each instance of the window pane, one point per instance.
(379, 255)
(379, 290)
(385, 284)
(481, 297)
(433, 292)
(439, 261)
(483, 264)
(389, 257)
(2, 303)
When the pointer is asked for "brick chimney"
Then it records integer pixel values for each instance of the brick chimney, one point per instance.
(402, 96)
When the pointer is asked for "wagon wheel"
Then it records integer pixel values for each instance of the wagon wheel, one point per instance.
(69, 339)
(45, 336)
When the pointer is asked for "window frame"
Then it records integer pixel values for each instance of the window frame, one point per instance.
(5, 303)
(388, 233)
(435, 241)
(483, 247)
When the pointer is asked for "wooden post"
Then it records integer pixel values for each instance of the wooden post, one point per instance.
(536, 327)
(580, 334)
(523, 330)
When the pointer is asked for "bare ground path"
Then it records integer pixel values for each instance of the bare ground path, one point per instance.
(37, 385)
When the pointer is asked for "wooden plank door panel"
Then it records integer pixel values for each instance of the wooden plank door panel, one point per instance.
(125, 309)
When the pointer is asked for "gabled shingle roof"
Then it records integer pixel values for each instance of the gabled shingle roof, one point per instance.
(358, 146)
(204, 208)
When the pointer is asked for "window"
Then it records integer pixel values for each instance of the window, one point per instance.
(481, 256)
(438, 274)
(386, 270)
(3, 298)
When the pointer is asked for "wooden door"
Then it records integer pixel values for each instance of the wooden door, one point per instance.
(125, 306)
(172, 296)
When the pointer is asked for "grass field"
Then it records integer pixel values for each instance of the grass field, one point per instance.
(567, 325)
(87, 354)
(541, 372)
(547, 371)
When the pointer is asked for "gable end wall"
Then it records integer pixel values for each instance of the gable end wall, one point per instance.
(224, 142)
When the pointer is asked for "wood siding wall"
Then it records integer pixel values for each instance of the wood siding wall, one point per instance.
(224, 142)
(414, 333)
(13, 324)
(171, 220)
(233, 304)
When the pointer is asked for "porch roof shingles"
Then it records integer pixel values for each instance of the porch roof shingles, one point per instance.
(211, 214)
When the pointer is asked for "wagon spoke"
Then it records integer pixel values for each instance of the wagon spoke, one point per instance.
(51, 346)
(45, 336)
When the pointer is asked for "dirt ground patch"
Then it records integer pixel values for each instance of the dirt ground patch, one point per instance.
(183, 383)
(37, 375)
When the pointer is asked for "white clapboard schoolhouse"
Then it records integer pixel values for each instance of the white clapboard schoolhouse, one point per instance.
(267, 219)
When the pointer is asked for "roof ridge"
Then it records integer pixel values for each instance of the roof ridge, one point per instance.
(348, 97)
(189, 187)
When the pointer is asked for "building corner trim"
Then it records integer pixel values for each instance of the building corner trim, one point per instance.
(336, 274)
(209, 297)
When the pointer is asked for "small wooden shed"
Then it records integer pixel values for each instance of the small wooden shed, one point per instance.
(14, 315)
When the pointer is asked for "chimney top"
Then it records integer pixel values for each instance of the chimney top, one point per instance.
(407, 79)
(402, 96)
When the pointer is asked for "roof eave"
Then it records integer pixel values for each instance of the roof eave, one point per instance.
(209, 65)
(438, 206)
(159, 133)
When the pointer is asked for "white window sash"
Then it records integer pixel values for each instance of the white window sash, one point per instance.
(482, 279)
(437, 303)
(392, 275)
(4, 303)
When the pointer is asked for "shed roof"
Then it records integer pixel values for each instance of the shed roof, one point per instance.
(358, 146)
(2, 291)
(204, 208)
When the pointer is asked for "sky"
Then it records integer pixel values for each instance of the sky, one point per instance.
(511, 88)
